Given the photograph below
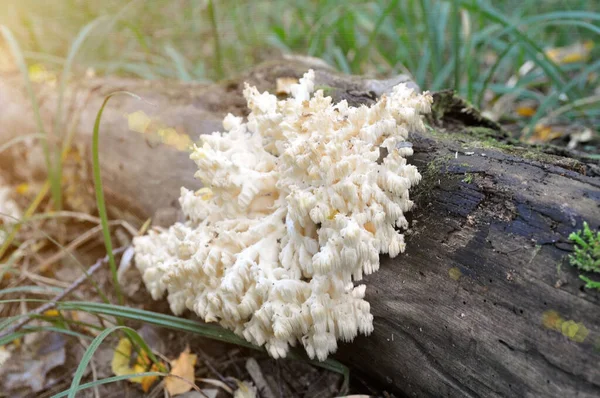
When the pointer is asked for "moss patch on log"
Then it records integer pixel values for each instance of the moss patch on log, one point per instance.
(458, 120)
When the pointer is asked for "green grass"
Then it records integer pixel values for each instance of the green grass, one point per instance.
(475, 46)
(100, 202)
(120, 312)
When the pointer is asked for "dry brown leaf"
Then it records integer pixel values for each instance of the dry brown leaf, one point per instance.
(546, 133)
(184, 368)
(27, 371)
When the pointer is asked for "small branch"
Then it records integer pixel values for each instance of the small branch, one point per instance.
(52, 303)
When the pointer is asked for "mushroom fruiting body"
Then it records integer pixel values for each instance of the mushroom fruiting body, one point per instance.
(298, 202)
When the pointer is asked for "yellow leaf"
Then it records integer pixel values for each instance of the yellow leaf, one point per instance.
(526, 111)
(39, 74)
(121, 356)
(51, 313)
(120, 364)
(576, 52)
(543, 133)
(138, 121)
(22, 189)
(148, 381)
(184, 368)
(171, 137)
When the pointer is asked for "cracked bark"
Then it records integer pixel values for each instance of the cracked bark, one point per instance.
(461, 312)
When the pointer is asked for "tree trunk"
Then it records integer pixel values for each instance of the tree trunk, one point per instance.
(482, 303)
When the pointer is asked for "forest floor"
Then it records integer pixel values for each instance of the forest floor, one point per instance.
(540, 82)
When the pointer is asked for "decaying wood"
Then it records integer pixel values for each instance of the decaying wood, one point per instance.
(482, 304)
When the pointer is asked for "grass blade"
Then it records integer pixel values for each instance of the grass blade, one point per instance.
(187, 325)
(537, 54)
(215, 32)
(83, 34)
(18, 139)
(456, 43)
(32, 289)
(179, 62)
(491, 73)
(108, 380)
(100, 202)
(16, 335)
(551, 99)
(87, 357)
(20, 60)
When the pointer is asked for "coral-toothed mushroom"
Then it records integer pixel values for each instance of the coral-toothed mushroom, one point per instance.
(297, 206)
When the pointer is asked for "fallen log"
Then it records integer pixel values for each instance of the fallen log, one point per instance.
(482, 303)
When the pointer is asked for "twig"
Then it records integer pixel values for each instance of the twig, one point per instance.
(52, 303)
(257, 376)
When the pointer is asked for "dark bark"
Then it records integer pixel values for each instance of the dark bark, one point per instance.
(473, 308)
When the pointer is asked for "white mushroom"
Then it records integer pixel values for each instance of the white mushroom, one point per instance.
(296, 208)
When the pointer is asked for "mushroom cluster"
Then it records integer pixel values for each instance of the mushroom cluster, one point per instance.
(298, 202)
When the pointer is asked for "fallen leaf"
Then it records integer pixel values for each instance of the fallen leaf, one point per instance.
(576, 52)
(138, 121)
(23, 372)
(120, 364)
(180, 141)
(525, 110)
(51, 313)
(545, 133)
(39, 74)
(121, 357)
(184, 368)
(148, 381)
(22, 189)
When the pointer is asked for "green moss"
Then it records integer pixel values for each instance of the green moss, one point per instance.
(436, 169)
(481, 137)
(468, 178)
(587, 253)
